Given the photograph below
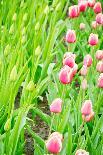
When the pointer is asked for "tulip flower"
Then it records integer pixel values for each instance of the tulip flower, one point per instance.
(82, 26)
(54, 144)
(91, 3)
(87, 60)
(82, 5)
(99, 55)
(56, 106)
(81, 152)
(84, 84)
(66, 75)
(70, 36)
(57, 134)
(99, 66)
(74, 11)
(69, 54)
(97, 7)
(84, 70)
(100, 81)
(94, 24)
(74, 69)
(99, 18)
(93, 39)
(69, 61)
(87, 111)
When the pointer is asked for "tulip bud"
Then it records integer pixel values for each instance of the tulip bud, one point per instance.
(99, 66)
(74, 11)
(54, 144)
(11, 31)
(82, 26)
(87, 60)
(99, 18)
(7, 125)
(69, 61)
(7, 50)
(91, 3)
(93, 39)
(94, 24)
(37, 26)
(97, 7)
(56, 106)
(99, 55)
(70, 36)
(100, 81)
(66, 75)
(30, 86)
(74, 69)
(25, 17)
(69, 54)
(87, 111)
(38, 51)
(13, 74)
(84, 70)
(84, 84)
(14, 17)
(83, 6)
(81, 152)
(56, 134)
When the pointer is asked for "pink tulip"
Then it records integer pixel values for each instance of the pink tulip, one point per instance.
(70, 36)
(93, 39)
(99, 55)
(97, 7)
(74, 69)
(81, 152)
(56, 106)
(84, 70)
(66, 75)
(100, 81)
(99, 66)
(91, 3)
(87, 111)
(99, 18)
(83, 6)
(54, 144)
(56, 134)
(84, 84)
(74, 11)
(87, 60)
(82, 26)
(69, 54)
(94, 24)
(69, 61)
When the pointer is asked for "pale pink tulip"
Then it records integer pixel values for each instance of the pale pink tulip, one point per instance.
(99, 66)
(99, 55)
(56, 106)
(99, 18)
(84, 84)
(74, 11)
(94, 24)
(100, 81)
(81, 152)
(82, 26)
(87, 60)
(70, 36)
(93, 39)
(97, 7)
(84, 70)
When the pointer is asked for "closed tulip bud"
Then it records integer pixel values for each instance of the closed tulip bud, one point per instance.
(7, 50)
(94, 24)
(99, 55)
(7, 125)
(13, 74)
(87, 111)
(14, 17)
(56, 106)
(99, 18)
(37, 26)
(54, 144)
(97, 7)
(66, 75)
(93, 39)
(74, 69)
(82, 26)
(38, 51)
(46, 10)
(87, 60)
(84, 70)
(99, 67)
(83, 6)
(91, 3)
(84, 84)
(69, 61)
(30, 86)
(69, 54)
(70, 36)
(56, 134)
(11, 31)
(100, 81)
(74, 11)
(25, 17)
(81, 152)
